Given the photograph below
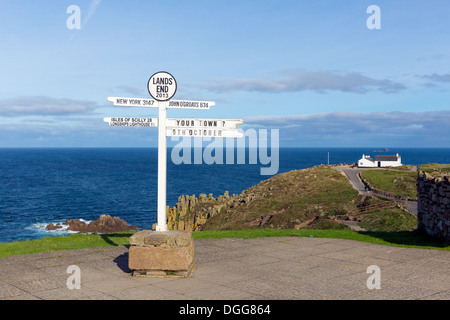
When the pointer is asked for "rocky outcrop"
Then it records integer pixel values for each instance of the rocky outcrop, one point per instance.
(104, 224)
(53, 226)
(190, 212)
(433, 205)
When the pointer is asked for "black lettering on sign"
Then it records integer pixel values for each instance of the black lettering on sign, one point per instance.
(162, 89)
(141, 119)
(162, 80)
(148, 102)
(185, 123)
(209, 123)
(189, 104)
(135, 101)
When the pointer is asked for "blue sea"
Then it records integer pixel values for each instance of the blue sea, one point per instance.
(41, 186)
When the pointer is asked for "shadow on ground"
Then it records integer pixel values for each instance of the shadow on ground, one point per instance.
(410, 238)
(122, 260)
(109, 238)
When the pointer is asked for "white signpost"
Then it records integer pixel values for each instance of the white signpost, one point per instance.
(205, 123)
(162, 86)
(203, 133)
(144, 102)
(132, 122)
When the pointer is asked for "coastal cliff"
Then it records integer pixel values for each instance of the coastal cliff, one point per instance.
(295, 199)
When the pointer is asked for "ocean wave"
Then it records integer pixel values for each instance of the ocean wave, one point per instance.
(39, 228)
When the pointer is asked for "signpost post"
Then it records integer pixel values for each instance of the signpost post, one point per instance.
(162, 86)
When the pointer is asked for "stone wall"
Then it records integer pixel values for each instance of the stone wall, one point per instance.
(433, 205)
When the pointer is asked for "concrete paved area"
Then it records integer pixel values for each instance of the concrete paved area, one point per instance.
(238, 269)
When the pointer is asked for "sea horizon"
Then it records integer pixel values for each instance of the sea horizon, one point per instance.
(169, 147)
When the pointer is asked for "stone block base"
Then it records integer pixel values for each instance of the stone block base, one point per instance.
(165, 273)
(161, 254)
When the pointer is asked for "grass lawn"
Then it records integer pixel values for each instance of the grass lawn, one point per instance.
(436, 169)
(391, 219)
(400, 183)
(71, 242)
(405, 167)
(412, 238)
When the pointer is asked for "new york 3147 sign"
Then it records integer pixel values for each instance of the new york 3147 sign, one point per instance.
(162, 86)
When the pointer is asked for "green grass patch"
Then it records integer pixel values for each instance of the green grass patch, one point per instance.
(392, 219)
(412, 238)
(400, 183)
(436, 169)
(405, 167)
(323, 223)
(70, 242)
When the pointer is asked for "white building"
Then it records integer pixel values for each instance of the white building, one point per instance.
(380, 161)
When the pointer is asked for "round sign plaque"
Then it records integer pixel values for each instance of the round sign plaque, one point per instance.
(162, 86)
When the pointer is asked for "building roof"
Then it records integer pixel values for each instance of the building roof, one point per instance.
(385, 158)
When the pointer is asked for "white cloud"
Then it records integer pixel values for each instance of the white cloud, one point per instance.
(317, 81)
(333, 129)
(41, 105)
(363, 122)
(92, 9)
(437, 77)
(358, 129)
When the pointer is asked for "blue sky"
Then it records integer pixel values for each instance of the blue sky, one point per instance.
(311, 69)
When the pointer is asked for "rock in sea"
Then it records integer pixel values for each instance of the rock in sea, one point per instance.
(104, 224)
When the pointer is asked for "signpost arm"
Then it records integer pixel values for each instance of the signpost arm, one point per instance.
(162, 167)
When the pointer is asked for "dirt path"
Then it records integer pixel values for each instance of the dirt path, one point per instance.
(352, 174)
